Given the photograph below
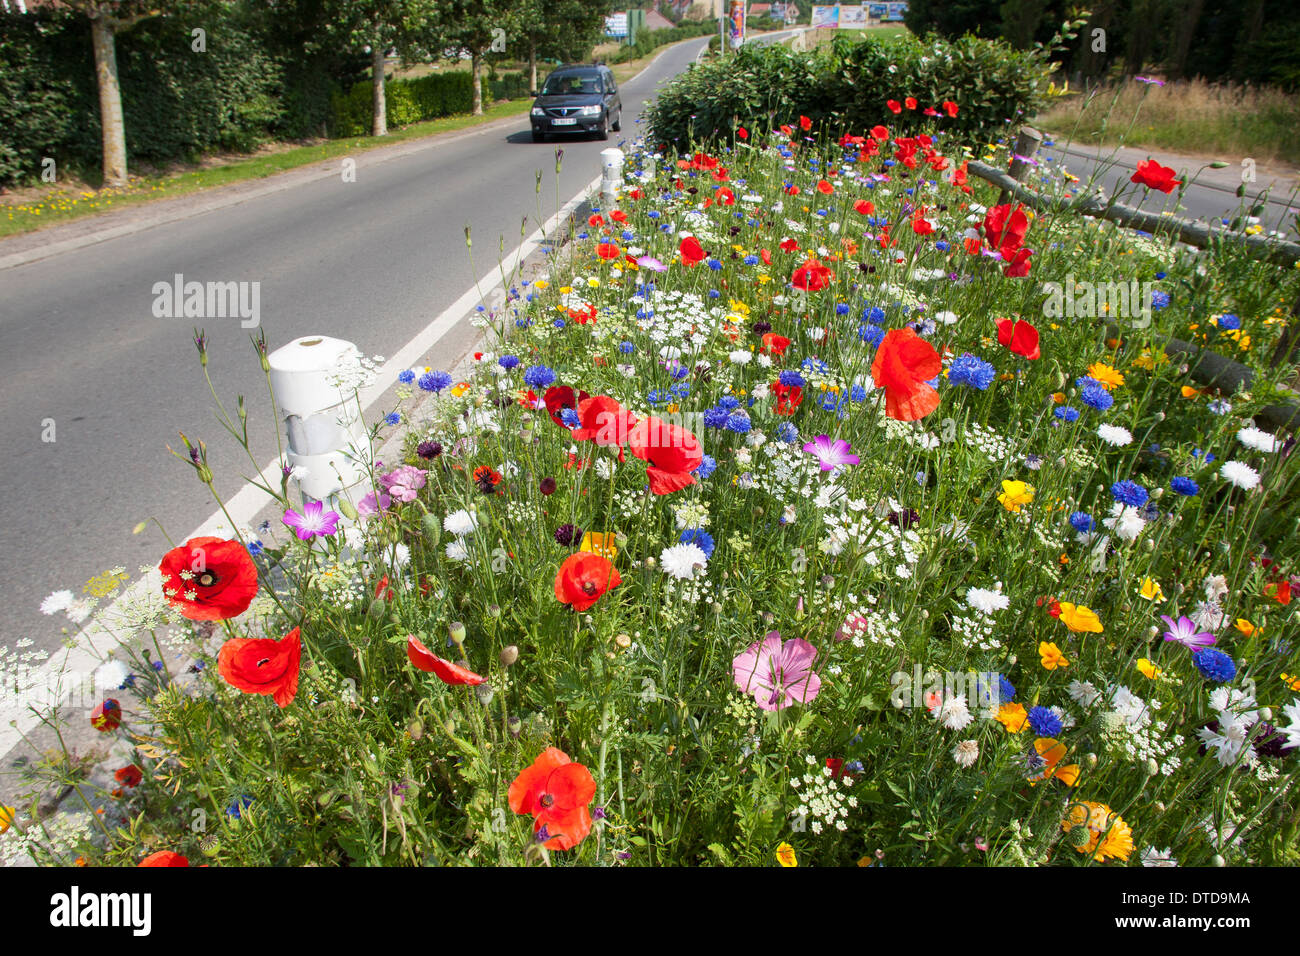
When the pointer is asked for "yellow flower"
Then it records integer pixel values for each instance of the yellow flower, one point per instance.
(738, 306)
(593, 283)
(1099, 819)
(1189, 392)
(596, 542)
(1015, 494)
(565, 289)
(1079, 618)
(1053, 752)
(460, 389)
(1058, 397)
(785, 855)
(1292, 681)
(1148, 669)
(1051, 656)
(1013, 717)
(1150, 590)
(7, 817)
(541, 284)
(1108, 377)
(1245, 627)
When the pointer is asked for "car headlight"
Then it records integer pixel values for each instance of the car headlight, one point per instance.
(538, 111)
(591, 111)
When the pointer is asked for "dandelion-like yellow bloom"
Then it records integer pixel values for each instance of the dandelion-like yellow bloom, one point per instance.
(1015, 495)
(1148, 670)
(1110, 378)
(1150, 590)
(1050, 656)
(785, 855)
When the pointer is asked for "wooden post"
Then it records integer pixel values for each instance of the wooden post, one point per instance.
(1027, 142)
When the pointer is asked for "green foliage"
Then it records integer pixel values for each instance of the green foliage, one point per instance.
(409, 101)
(851, 82)
(647, 41)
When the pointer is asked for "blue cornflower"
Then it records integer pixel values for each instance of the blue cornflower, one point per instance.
(715, 265)
(700, 538)
(875, 315)
(392, 418)
(237, 807)
(569, 418)
(967, 369)
(841, 308)
(1066, 412)
(1159, 299)
(787, 433)
(1044, 722)
(1095, 396)
(811, 364)
(406, 377)
(558, 323)
(791, 379)
(434, 381)
(1185, 486)
(729, 402)
(627, 348)
(508, 361)
(255, 548)
(1214, 665)
(1082, 521)
(716, 417)
(858, 393)
(714, 294)
(1197, 453)
(707, 466)
(538, 376)
(873, 335)
(739, 424)
(1129, 493)
(750, 260)
(1229, 321)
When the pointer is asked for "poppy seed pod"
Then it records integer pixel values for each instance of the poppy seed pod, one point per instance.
(348, 511)
(378, 608)
(456, 631)
(509, 655)
(484, 693)
(1078, 837)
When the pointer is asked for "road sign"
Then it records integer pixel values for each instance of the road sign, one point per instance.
(616, 25)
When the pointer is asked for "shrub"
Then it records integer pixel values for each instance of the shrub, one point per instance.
(850, 82)
(409, 101)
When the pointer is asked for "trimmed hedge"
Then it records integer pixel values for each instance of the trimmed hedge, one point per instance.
(409, 101)
(848, 84)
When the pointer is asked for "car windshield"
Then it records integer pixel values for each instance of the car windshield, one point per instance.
(571, 84)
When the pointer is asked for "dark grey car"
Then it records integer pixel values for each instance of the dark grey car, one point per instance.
(577, 99)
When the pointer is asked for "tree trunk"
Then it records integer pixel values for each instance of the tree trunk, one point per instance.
(476, 70)
(532, 66)
(1183, 38)
(110, 101)
(380, 127)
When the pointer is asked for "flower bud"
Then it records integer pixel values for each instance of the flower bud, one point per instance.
(1217, 860)
(347, 510)
(1078, 836)
(509, 655)
(623, 641)
(377, 609)
(456, 631)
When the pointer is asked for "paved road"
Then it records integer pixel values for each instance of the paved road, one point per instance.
(1211, 197)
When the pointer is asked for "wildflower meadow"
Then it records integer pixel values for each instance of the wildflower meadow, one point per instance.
(784, 519)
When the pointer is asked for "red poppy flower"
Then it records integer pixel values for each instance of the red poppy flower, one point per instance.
(604, 421)
(129, 776)
(1279, 591)
(164, 858)
(618, 215)
(824, 187)
(788, 245)
(920, 225)
(556, 791)
(583, 316)
(910, 102)
(726, 196)
(1151, 174)
(805, 123)
(880, 133)
(742, 133)
(1020, 337)
(560, 397)
(811, 276)
(787, 130)
(106, 717)
(691, 251)
(425, 660)
(904, 364)
(595, 221)
(382, 590)
(1019, 267)
(766, 256)
(635, 193)
(950, 108)
(220, 575)
(671, 452)
(774, 344)
(788, 397)
(263, 666)
(608, 250)
(1005, 229)
(895, 107)
(583, 578)
(864, 207)
(485, 476)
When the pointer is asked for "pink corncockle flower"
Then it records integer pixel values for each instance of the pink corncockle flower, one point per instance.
(776, 673)
(831, 453)
(1149, 80)
(372, 504)
(1184, 632)
(651, 263)
(314, 521)
(404, 482)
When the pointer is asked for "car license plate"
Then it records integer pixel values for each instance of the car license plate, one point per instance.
(564, 122)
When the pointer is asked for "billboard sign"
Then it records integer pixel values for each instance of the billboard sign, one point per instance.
(853, 18)
(616, 25)
(825, 16)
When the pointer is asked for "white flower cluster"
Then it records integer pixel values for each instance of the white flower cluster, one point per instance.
(822, 800)
(987, 442)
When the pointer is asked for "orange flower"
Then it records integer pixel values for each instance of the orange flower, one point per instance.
(583, 578)
(556, 791)
(1051, 656)
(903, 366)
(1053, 752)
(1013, 717)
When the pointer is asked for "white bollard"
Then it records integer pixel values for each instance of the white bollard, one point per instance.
(611, 176)
(321, 418)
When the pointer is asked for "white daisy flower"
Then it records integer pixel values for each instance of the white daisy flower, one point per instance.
(1114, 435)
(966, 753)
(460, 523)
(57, 602)
(682, 560)
(1257, 439)
(982, 599)
(1240, 474)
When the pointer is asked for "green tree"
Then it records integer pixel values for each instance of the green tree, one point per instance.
(476, 27)
(556, 29)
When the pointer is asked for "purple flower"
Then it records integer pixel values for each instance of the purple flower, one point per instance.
(830, 453)
(1184, 632)
(372, 504)
(776, 673)
(314, 521)
(404, 482)
(651, 263)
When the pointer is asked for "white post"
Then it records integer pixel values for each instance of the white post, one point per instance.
(611, 176)
(321, 417)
